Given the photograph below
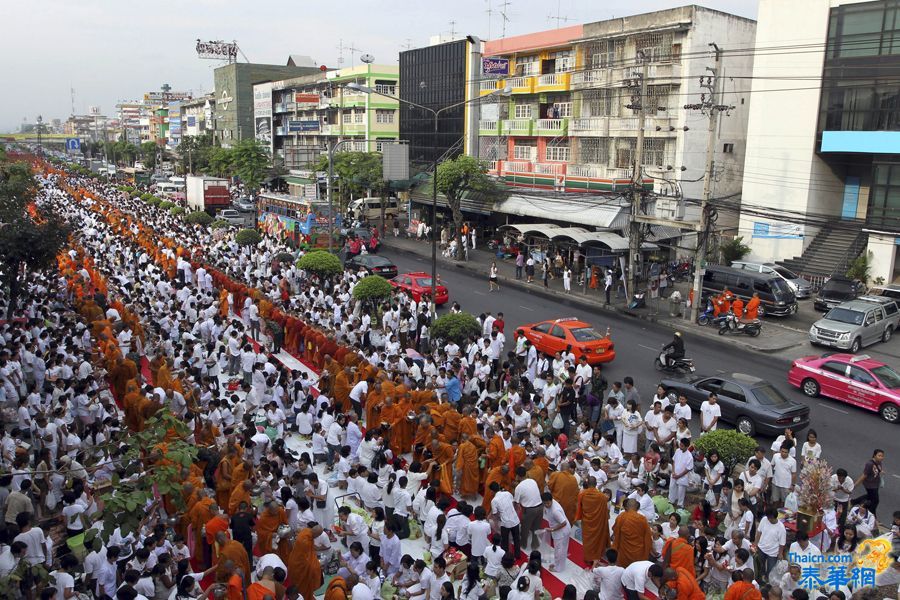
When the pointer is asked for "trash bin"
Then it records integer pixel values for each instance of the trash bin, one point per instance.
(675, 304)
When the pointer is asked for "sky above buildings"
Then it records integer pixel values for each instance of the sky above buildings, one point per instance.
(115, 50)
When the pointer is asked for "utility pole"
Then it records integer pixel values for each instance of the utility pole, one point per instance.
(637, 180)
(712, 110)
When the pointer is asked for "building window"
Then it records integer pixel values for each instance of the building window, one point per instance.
(557, 150)
(593, 151)
(492, 148)
(600, 103)
(657, 47)
(358, 116)
(523, 111)
(388, 89)
(655, 152)
(527, 65)
(564, 61)
(624, 148)
(385, 117)
(525, 150)
(347, 118)
(563, 109)
(728, 148)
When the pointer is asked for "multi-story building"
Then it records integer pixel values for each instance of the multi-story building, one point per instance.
(196, 115)
(438, 76)
(571, 124)
(234, 108)
(130, 114)
(300, 118)
(822, 175)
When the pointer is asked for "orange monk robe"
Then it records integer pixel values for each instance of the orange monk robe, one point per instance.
(224, 482)
(685, 585)
(266, 526)
(342, 389)
(564, 488)
(120, 375)
(537, 473)
(467, 466)
(155, 365)
(737, 307)
(304, 569)
(235, 588)
(405, 428)
(593, 512)
(678, 553)
(543, 463)
(238, 495)
(189, 501)
(469, 426)
(258, 591)
(517, 456)
(443, 455)
(198, 517)
(741, 590)
(235, 552)
(423, 435)
(451, 425)
(631, 537)
(394, 416)
(337, 589)
(493, 475)
(374, 400)
(496, 452)
(218, 523)
(164, 378)
(752, 309)
(131, 403)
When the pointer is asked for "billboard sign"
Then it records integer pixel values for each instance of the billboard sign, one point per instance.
(165, 96)
(262, 99)
(304, 99)
(304, 125)
(395, 162)
(494, 66)
(217, 50)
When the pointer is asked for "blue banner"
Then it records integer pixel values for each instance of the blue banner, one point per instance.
(494, 66)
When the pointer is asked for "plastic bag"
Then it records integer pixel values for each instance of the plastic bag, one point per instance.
(790, 502)
(415, 530)
(778, 570)
(557, 423)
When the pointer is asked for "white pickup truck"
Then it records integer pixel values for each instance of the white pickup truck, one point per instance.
(232, 216)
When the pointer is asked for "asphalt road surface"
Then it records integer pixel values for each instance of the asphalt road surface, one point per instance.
(847, 434)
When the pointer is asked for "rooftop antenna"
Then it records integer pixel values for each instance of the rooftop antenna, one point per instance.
(408, 43)
(72, 92)
(452, 29)
(559, 19)
(503, 16)
(490, 14)
(352, 51)
(340, 48)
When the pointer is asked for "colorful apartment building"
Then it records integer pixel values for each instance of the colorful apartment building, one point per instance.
(569, 126)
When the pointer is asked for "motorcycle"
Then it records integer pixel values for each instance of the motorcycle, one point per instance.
(637, 301)
(707, 317)
(731, 324)
(675, 365)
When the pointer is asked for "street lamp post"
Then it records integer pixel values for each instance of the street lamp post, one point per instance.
(505, 91)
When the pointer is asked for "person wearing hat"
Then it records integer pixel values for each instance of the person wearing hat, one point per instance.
(677, 347)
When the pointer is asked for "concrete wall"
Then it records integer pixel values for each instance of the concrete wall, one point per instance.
(883, 251)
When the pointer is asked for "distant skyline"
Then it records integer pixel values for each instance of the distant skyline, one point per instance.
(110, 51)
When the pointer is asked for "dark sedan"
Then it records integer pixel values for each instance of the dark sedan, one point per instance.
(835, 291)
(751, 404)
(373, 264)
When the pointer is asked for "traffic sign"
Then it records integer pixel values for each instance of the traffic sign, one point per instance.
(73, 144)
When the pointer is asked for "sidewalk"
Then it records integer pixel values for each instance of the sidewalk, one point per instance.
(774, 337)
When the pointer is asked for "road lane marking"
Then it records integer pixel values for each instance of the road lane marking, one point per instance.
(648, 347)
(895, 475)
(823, 405)
(526, 308)
(479, 293)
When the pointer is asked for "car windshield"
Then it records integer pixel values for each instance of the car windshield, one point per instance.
(781, 288)
(769, 396)
(786, 273)
(378, 261)
(845, 315)
(887, 376)
(839, 285)
(423, 282)
(585, 334)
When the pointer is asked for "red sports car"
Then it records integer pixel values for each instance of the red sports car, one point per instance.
(418, 284)
(553, 336)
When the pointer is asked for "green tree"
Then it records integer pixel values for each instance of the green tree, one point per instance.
(455, 326)
(221, 162)
(455, 177)
(733, 447)
(371, 289)
(251, 162)
(247, 237)
(194, 153)
(321, 263)
(355, 173)
(23, 240)
(734, 249)
(860, 268)
(148, 154)
(199, 217)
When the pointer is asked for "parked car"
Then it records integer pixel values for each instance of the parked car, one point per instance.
(419, 285)
(370, 208)
(890, 290)
(244, 205)
(373, 264)
(231, 215)
(751, 404)
(857, 380)
(775, 295)
(854, 324)
(835, 291)
(556, 335)
(800, 286)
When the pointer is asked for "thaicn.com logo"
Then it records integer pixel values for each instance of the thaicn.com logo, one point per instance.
(834, 571)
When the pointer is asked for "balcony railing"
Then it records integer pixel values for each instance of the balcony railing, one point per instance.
(551, 126)
(517, 166)
(590, 78)
(550, 168)
(624, 123)
(521, 84)
(517, 127)
(488, 85)
(492, 165)
(597, 126)
(489, 127)
(386, 90)
(598, 172)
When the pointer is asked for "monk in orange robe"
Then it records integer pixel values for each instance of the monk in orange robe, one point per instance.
(532, 471)
(517, 455)
(374, 400)
(751, 311)
(451, 425)
(500, 474)
(337, 589)
(496, 452)
(198, 517)
(155, 365)
(304, 569)
(396, 418)
(684, 582)
(217, 524)
(631, 535)
(267, 524)
(743, 589)
(223, 477)
(235, 552)
(124, 371)
(468, 424)
(239, 494)
(593, 512)
(564, 487)
(678, 552)
(342, 389)
(467, 467)
(266, 587)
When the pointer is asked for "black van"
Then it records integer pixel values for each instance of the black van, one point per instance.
(775, 296)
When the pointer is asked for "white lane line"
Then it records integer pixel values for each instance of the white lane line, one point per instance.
(648, 347)
(526, 308)
(479, 293)
(895, 475)
(833, 408)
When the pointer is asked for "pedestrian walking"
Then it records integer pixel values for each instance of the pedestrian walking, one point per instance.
(871, 481)
(492, 278)
(520, 263)
(529, 269)
(567, 279)
(545, 273)
(608, 284)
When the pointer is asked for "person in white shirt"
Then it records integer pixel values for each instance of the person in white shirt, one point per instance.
(770, 539)
(354, 528)
(607, 578)
(682, 466)
(528, 496)
(558, 530)
(803, 547)
(503, 509)
(784, 474)
(710, 411)
(636, 576)
(682, 410)
(647, 508)
(842, 486)
(479, 532)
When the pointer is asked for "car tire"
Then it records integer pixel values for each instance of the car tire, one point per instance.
(761, 311)
(855, 346)
(745, 425)
(810, 387)
(890, 412)
(886, 336)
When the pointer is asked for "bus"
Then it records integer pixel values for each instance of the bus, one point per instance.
(294, 219)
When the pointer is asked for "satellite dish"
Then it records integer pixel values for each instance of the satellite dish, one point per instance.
(367, 58)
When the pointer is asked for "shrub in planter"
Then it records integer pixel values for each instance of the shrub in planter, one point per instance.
(321, 263)
(247, 237)
(176, 210)
(456, 327)
(734, 447)
(198, 218)
(166, 205)
(219, 224)
(154, 201)
(372, 289)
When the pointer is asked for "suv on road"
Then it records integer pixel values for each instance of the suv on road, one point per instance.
(854, 324)
(835, 291)
(800, 286)
(231, 215)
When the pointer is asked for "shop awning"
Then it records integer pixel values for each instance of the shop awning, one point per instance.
(594, 211)
(663, 232)
(472, 201)
(295, 180)
(548, 230)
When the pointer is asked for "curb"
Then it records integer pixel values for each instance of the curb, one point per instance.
(594, 306)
